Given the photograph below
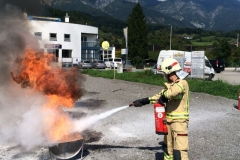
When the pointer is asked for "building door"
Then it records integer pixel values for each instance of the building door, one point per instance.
(55, 53)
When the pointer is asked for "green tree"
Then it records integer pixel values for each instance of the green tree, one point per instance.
(137, 35)
(235, 60)
(222, 50)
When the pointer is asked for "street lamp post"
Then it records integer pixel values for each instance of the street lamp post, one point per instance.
(125, 32)
(171, 38)
(237, 39)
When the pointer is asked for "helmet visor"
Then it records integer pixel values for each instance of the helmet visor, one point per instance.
(181, 74)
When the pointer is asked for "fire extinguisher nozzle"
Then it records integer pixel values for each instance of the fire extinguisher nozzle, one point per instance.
(130, 105)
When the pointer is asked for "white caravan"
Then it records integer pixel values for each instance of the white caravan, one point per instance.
(208, 69)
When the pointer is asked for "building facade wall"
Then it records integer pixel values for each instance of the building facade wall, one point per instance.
(72, 45)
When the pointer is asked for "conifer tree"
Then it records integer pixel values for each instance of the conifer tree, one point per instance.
(137, 35)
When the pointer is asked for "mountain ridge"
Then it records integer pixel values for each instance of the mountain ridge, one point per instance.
(208, 15)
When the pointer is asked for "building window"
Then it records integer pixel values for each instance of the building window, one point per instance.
(67, 37)
(53, 36)
(66, 53)
(84, 39)
(106, 53)
(38, 35)
(90, 55)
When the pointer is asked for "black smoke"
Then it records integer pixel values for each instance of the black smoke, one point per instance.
(15, 36)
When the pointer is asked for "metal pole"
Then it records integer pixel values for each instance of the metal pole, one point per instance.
(171, 38)
(114, 70)
(127, 45)
(237, 39)
(103, 55)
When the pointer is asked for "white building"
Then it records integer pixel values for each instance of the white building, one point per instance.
(67, 41)
(109, 53)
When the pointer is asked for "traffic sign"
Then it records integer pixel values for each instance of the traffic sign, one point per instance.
(105, 45)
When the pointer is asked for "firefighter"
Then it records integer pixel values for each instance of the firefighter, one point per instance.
(175, 95)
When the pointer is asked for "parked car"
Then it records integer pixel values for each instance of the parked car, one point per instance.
(149, 62)
(98, 64)
(218, 65)
(84, 64)
(107, 61)
(154, 69)
(113, 61)
(117, 61)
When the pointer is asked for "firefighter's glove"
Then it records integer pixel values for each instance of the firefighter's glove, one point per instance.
(141, 102)
(162, 99)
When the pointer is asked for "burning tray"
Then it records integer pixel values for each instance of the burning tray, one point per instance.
(69, 147)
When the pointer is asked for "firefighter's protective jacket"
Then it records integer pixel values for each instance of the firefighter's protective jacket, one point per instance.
(177, 94)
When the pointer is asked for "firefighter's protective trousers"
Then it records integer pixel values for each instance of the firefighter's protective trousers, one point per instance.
(176, 140)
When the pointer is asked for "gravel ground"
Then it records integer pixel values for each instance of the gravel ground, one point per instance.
(214, 128)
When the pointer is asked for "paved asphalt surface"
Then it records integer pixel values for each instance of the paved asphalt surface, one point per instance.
(214, 128)
(229, 75)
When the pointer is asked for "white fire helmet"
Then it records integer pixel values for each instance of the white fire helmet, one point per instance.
(170, 65)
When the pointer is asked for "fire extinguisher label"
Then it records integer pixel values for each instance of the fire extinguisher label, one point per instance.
(160, 109)
(160, 115)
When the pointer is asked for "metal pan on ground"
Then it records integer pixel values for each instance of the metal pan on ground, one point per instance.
(68, 148)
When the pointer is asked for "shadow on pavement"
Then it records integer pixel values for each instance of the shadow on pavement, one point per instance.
(159, 156)
(85, 151)
(235, 106)
(89, 103)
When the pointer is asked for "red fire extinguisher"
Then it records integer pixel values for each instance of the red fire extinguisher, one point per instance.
(239, 101)
(160, 116)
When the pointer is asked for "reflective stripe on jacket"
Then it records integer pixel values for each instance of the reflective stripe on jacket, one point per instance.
(154, 99)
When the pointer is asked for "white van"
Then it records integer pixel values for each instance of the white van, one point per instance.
(115, 61)
(208, 70)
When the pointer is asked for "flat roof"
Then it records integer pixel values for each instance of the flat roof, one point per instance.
(44, 18)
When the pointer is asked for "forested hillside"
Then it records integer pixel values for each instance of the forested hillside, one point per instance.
(159, 36)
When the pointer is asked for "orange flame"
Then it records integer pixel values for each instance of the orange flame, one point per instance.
(58, 125)
(62, 88)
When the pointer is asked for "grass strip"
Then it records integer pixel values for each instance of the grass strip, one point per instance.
(216, 88)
